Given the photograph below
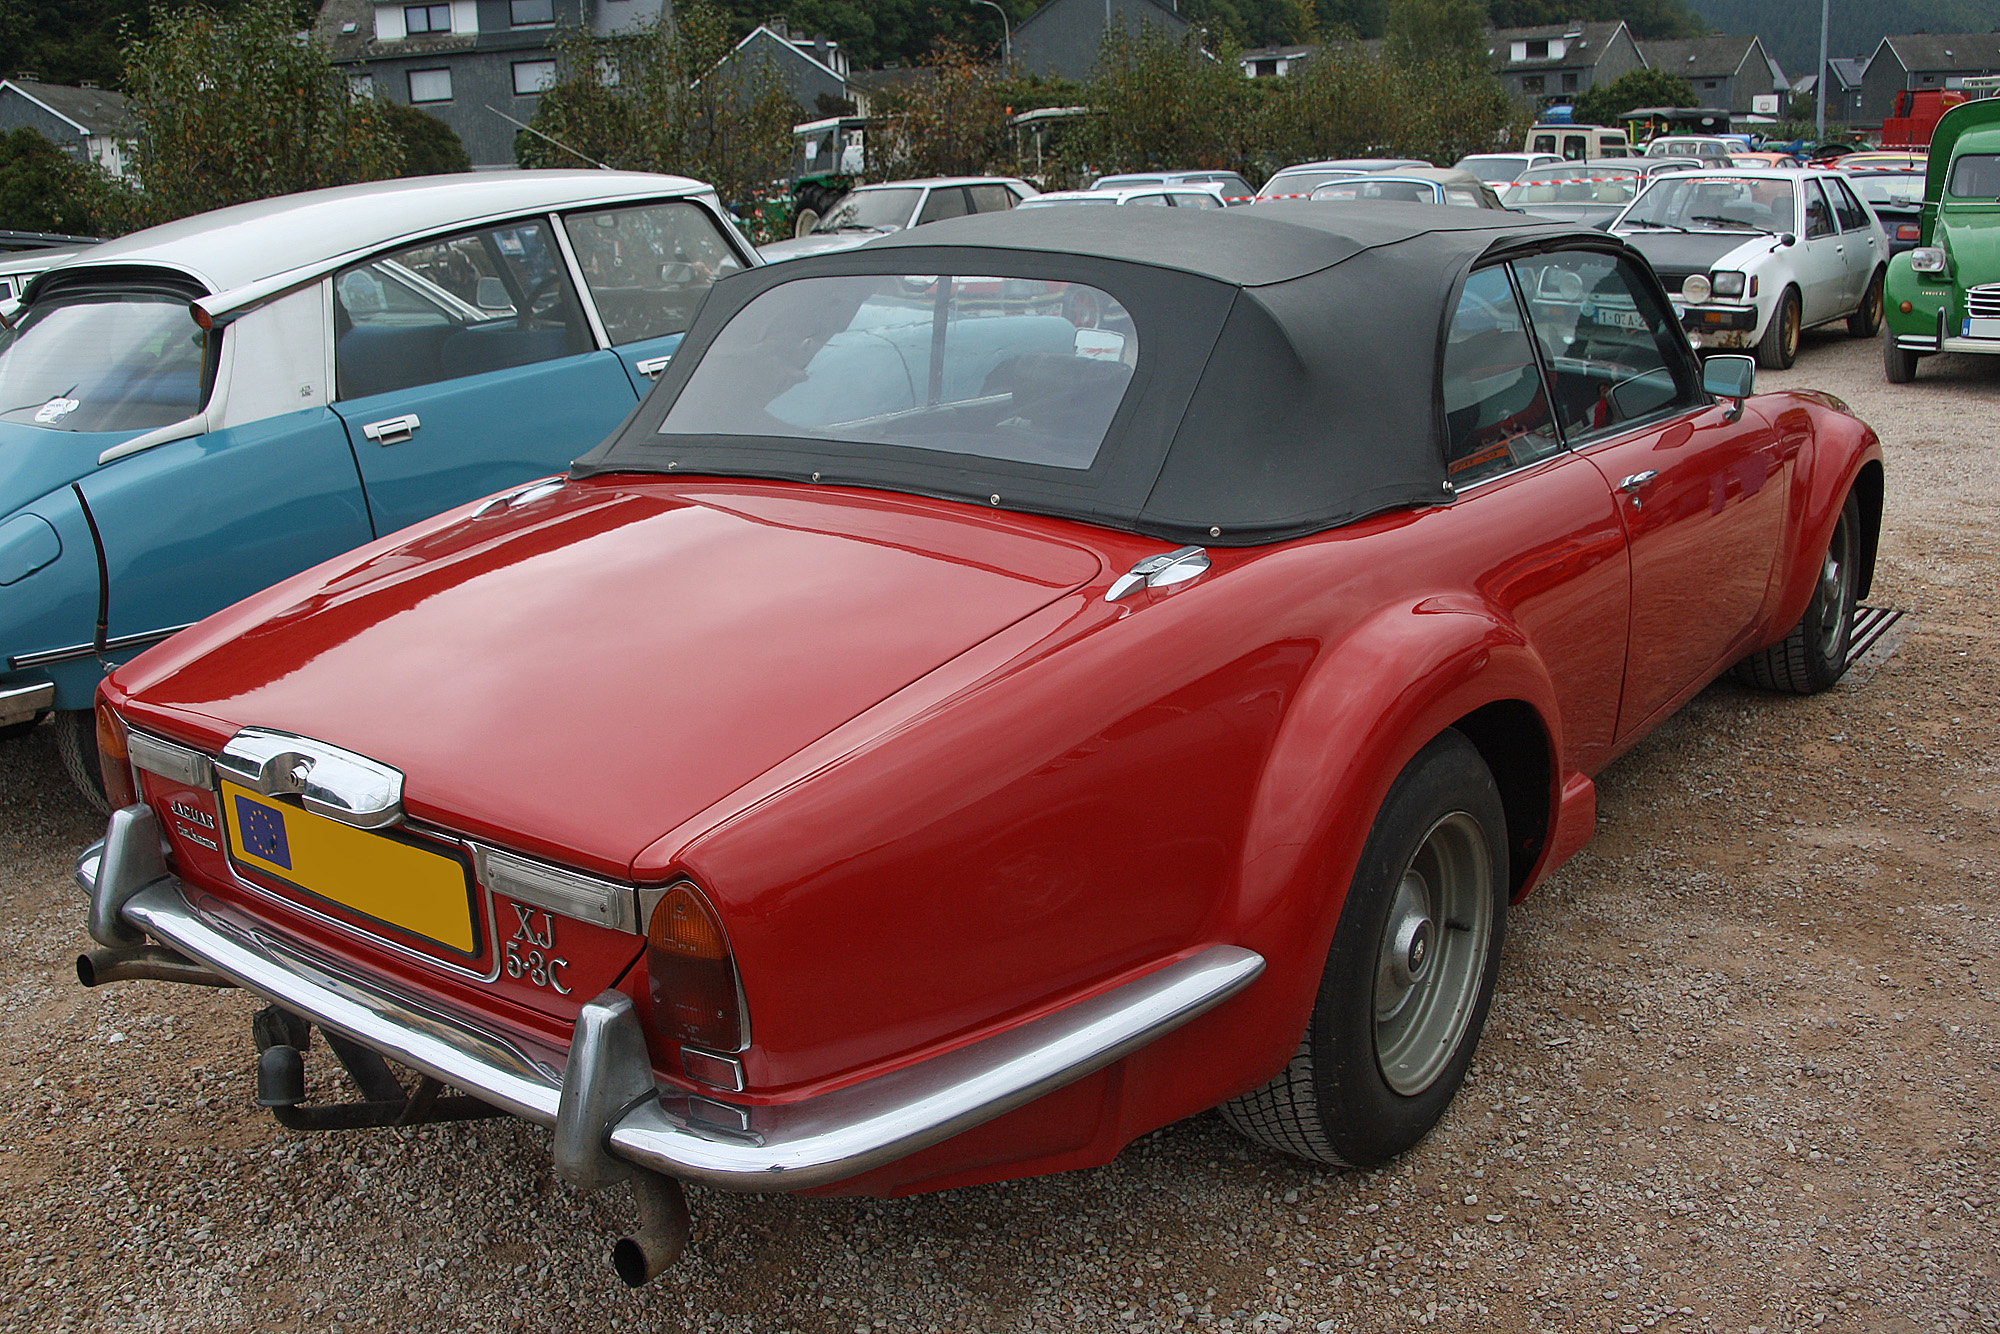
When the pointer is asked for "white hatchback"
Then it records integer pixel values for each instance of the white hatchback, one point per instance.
(1751, 258)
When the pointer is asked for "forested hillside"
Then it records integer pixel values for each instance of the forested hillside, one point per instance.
(1790, 28)
(82, 41)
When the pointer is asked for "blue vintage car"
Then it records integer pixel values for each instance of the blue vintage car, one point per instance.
(193, 412)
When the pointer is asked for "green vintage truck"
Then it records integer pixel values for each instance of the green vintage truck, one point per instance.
(1944, 296)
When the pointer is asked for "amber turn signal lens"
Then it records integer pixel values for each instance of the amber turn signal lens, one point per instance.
(692, 973)
(114, 758)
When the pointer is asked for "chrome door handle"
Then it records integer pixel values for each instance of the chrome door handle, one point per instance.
(392, 430)
(652, 366)
(1637, 480)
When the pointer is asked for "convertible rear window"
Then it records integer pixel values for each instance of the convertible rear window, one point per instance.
(102, 361)
(1014, 369)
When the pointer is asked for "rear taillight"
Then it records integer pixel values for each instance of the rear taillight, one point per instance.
(1908, 231)
(693, 973)
(114, 758)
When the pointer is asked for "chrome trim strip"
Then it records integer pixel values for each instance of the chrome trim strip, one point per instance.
(849, 1131)
(1985, 346)
(21, 703)
(177, 763)
(1916, 343)
(46, 656)
(402, 1028)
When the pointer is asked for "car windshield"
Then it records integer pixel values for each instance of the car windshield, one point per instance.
(1902, 189)
(1571, 185)
(102, 361)
(1975, 176)
(1305, 182)
(1494, 170)
(1370, 187)
(1714, 203)
(1073, 199)
(1013, 369)
(1120, 182)
(872, 211)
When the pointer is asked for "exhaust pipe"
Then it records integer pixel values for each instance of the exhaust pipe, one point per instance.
(153, 963)
(662, 1234)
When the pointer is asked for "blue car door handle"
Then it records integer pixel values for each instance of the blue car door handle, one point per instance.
(392, 430)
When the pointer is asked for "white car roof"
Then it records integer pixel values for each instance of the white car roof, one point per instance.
(1119, 194)
(290, 235)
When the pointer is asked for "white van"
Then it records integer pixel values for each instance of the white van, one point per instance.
(1578, 143)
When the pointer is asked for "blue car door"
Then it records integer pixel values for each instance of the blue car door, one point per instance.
(467, 364)
(646, 268)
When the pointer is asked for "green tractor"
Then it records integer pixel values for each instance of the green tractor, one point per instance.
(832, 159)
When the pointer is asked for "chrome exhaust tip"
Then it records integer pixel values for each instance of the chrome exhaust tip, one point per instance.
(152, 963)
(662, 1235)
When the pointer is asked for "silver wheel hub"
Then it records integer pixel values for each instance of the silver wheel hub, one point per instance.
(1431, 963)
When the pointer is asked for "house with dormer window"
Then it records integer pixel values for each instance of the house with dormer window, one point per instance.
(1725, 71)
(1557, 63)
(470, 63)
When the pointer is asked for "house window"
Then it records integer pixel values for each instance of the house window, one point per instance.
(1710, 83)
(531, 13)
(419, 19)
(1537, 51)
(1569, 83)
(1263, 69)
(361, 85)
(533, 76)
(430, 85)
(1533, 83)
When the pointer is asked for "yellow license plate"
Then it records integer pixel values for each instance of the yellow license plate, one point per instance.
(376, 875)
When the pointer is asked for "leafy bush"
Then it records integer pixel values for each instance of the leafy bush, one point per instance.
(42, 188)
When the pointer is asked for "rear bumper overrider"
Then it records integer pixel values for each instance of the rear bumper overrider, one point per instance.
(609, 1114)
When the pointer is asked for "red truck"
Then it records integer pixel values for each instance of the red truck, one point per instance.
(1915, 115)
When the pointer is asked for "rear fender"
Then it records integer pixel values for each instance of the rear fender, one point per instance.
(1841, 455)
(49, 606)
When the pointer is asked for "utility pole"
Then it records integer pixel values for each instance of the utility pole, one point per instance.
(1819, 121)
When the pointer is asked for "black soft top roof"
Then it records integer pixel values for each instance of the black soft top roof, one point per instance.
(1287, 374)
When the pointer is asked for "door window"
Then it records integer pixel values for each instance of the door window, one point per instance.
(1192, 200)
(480, 301)
(1819, 217)
(648, 267)
(1576, 147)
(1853, 217)
(1152, 201)
(991, 198)
(947, 201)
(1614, 351)
(1496, 412)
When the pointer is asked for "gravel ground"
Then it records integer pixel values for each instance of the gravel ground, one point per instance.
(1740, 1076)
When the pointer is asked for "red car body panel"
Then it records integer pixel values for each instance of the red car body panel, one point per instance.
(936, 785)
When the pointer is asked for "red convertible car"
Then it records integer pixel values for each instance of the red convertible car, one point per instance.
(936, 741)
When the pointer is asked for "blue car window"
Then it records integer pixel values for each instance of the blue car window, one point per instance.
(1018, 369)
(648, 267)
(103, 361)
(481, 301)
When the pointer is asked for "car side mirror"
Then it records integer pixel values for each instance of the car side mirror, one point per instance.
(491, 294)
(1787, 239)
(1730, 377)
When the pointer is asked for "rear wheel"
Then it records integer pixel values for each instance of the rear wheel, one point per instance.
(1409, 978)
(1779, 347)
(1814, 655)
(76, 742)
(1899, 364)
(1867, 316)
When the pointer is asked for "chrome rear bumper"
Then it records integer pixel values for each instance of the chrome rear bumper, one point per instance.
(608, 1112)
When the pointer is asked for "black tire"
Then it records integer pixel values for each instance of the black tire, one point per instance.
(76, 742)
(1867, 317)
(1779, 347)
(1814, 655)
(1899, 364)
(1367, 1084)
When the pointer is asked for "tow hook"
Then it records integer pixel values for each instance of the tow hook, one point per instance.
(662, 1234)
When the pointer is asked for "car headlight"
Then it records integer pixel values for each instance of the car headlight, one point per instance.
(1727, 282)
(1695, 289)
(1928, 259)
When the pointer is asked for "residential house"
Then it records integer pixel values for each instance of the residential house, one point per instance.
(1273, 62)
(471, 63)
(90, 124)
(1923, 61)
(1063, 37)
(1843, 88)
(1559, 62)
(812, 70)
(1728, 71)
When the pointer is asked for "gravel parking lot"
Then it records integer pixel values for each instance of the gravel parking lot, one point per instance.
(1742, 1075)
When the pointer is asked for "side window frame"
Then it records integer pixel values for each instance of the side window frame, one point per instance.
(1683, 361)
(1505, 265)
(731, 239)
(1845, 192)
(1815, 188)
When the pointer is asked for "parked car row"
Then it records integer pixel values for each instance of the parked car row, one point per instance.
(719, 710)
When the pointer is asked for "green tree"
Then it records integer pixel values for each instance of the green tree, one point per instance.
(951, 124)
(430, 147)
(1164, 102)
(1439, 33)
(240, 107)
(1603, 104)
(666, 97)
(42, 188)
